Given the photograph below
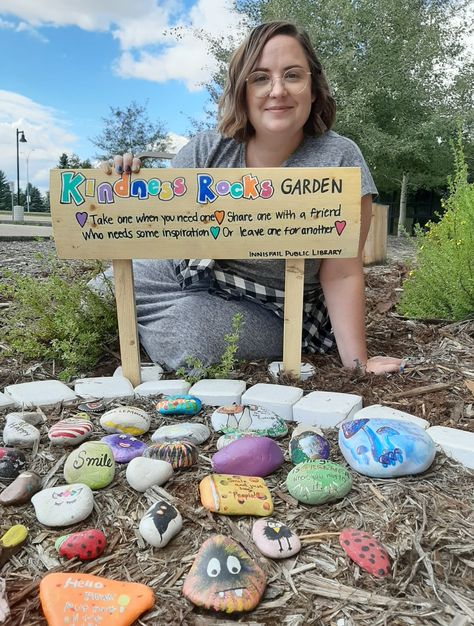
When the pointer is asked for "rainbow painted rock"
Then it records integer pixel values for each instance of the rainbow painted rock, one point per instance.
(12, 462)
(317, 482)
(275, 539)
(179, 405)
(128, 420)
(80, 599)
(385, 448)
(236, 495)
(224, 578)
(306, 444)
(124, 447)
(85, 545)
(366, 551)
(92, 464)
(180, 454)
(249, 456)
(71, 431)
(258, 419)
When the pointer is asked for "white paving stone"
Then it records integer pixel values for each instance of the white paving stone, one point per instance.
(218, 391)
(104, 387)
(387, 412)
(455, 443)
(148, 372)
(278, 398)
(39, 393)
(326, 409)
(163, 387)
(6, 401)
(307, 370)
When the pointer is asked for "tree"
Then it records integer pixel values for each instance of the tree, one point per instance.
(36, 199)
(72, 162)
(5, 193)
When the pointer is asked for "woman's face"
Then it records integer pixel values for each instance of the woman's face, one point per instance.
(280, 113)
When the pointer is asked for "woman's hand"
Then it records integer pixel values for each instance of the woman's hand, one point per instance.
(384, 365)
(120, 164)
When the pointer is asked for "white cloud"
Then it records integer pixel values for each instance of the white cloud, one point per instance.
(176, 142)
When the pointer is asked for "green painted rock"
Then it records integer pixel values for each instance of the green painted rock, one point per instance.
(316, 482)
(92, 464)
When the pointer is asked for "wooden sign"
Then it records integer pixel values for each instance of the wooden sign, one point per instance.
(219, 213)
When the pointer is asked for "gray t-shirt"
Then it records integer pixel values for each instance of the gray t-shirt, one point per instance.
(209, 149)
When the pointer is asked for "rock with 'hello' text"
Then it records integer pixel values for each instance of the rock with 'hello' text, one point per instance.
(63, 505)
(92, 464)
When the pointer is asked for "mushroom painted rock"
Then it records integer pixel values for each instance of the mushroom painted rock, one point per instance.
(224, 578)
(275, 539)
(180, 454)
(160, 524)
(21, 489)
(12, 462)
(71, 430)
(384, 448)
(317, 482)
(179, 405)
(366, 551)
(124, 447)
(248, 456)
(258, 419)
(236, 495)
(85, 545)
(128, 420)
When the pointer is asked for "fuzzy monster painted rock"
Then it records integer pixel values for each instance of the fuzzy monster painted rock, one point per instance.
(224, 578)
(249, 417)
(236, 495)
(384, 448)
(179, 405)
(85, 545)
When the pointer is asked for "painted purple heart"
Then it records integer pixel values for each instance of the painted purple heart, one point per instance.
(81, 218)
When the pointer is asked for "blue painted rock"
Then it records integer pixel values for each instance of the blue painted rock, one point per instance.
(180, 454)
(224, 440)
(127, 420)
(238, 417)
(306, 444)
(383, 448)
(366, 551)
(224, 578)
(275, 539)
(63, 505)
(21, 489)
(317, 482)
(71, 430)
(12, 462)
(124, 447)
(143, 473)
(85, 545)
(179, 405)
(190, 431)
(20, 433)
(160, 524)
(92, 464)
(248, 456)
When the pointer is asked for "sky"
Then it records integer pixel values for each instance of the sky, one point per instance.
(65, 64)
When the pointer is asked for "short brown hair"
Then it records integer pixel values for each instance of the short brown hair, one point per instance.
(232, 114)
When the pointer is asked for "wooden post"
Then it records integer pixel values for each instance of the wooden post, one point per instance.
(375, 249)
(127, 320)
(293, 327)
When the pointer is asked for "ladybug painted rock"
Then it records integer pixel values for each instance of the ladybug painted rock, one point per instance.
(366, 551)
(85, 545)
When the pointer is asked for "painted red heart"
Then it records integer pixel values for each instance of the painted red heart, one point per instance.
(366, 551)
(340, 225)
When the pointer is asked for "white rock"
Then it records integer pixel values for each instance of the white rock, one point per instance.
(143, 472)
(307, 370)
(40, 393)
(278, 398)
(218, 391)
(32, 417)
(148, 372)
(192, 431)
(386, 412)
(160, 524)
(129, 420)
(104, 387)
(63, 505)
(19, 433)
(163, 387)
(455, 443)
(326, 409)
(6, 401)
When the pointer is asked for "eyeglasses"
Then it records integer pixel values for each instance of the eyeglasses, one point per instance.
(294, 82)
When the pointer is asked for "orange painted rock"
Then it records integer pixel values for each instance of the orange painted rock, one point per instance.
(86, 544)
(223, 577)
(83, 599)
(236, 495)
(366, 551)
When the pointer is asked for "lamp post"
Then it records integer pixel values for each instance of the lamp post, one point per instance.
(20, 138)
(28, 180)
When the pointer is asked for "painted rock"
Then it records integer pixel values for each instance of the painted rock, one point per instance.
(180, 454)
(366, 551)
(97, 406)
(224, 440)
(236, 495)
(160, 524)
(71, 430)
(224, 578)
(307, 444)
(275, 539)
(316, 482)
(124, 447)
(12, 541)
(179, 405)
(12, 462)
(83, 599)
(63, 505)
(19, 433)
(144, 472)
(92, 464)
(248, 456)
(85, 545)
(128, 420)
(21, 489)
(31, 417)
(383, 448)
(191, 431)
(259, 420)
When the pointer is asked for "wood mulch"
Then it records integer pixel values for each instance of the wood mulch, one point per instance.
(426, 522)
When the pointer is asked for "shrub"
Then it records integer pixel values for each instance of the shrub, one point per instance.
(441, 283)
